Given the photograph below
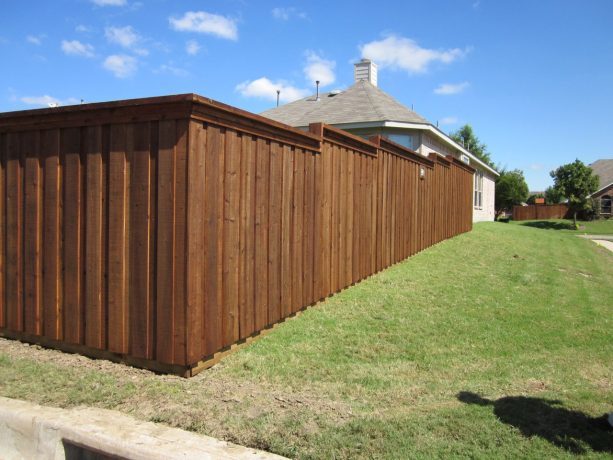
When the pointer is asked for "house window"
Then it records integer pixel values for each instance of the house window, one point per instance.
(478, 199)
(605, 205)
(403, 139)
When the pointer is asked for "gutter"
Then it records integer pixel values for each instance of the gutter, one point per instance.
(420, 126)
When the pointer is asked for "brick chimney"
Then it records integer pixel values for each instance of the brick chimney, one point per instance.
(365, 70)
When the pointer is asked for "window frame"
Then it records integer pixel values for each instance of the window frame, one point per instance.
(478, 190)
(602, 207)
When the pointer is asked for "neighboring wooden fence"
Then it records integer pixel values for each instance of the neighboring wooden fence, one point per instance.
(163, 231)
(539, 211)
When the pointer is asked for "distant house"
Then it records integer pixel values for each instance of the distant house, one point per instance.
(365, 110)
(604, 170)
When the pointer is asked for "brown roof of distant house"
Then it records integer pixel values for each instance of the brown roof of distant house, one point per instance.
(604, 170)
(359, 103)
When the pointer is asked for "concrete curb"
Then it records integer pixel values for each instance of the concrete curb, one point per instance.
(29, 431)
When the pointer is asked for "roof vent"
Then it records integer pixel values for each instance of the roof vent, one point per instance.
(365, 70)
(334, 92)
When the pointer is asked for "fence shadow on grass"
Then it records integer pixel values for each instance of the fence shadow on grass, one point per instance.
(548, 419)
(548, 225)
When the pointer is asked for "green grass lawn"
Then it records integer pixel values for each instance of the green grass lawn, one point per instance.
(495, 344)
(594, 227)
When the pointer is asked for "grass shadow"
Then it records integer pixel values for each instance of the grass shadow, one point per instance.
(548, 419)
(548, 225)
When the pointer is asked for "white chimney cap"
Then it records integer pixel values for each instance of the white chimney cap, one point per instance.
(366, 70)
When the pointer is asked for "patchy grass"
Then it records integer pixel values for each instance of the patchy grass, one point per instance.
(594, 227)
(496, 343)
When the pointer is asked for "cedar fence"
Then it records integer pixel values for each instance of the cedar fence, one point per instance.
(164, 231)
(539, 211)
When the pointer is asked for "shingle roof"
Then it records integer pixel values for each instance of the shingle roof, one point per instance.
(361, 102)
(604, 170)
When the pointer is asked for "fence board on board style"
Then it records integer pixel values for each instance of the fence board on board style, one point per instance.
(164, 231)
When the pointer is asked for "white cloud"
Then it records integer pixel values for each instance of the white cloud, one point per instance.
(284, 14)
(536, 166)
(404, 53)
(264, 88)
(47, 100)
(76, 48)
(82, 29)
(120, 65)
(192, 47)
(109, 2)
(206, 23)
(449, 121)
(35, 40)
(318, 68)
(125, 37)
(446, 89)
(176, 71)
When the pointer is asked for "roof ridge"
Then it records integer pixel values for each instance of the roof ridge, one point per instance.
(372, 103)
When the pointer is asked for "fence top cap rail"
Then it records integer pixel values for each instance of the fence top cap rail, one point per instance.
(461, 164)
(438, 158)
(181, 105)
(304, 137)
(340, 136)
(98, 106)
(400, 150)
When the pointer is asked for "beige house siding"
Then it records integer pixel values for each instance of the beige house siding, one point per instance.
(487, 211)
(431, 145)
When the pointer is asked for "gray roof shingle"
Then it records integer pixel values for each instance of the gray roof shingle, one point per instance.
(604, 170)
(361, 102)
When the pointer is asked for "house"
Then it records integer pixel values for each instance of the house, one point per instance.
(365, 110)
(604, 170)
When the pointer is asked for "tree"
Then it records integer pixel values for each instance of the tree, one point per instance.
(553, 195)
(466, 137)
(511, 189)
(532, 198)
(577, 182)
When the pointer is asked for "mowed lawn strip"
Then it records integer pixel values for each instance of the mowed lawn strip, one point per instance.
(496, 343)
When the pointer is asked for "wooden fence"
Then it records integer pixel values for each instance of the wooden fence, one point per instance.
(538, 211)
(163, 231)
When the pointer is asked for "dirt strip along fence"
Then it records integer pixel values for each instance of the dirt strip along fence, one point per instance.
(164, 231)
(539, 211)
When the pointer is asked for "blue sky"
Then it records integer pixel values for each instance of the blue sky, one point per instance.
(533, 78)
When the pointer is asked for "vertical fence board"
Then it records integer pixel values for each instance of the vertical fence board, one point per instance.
(117, 235)
(30, 146)
(247, 238)
(309, 229)
(213, 211)
(180, 243)
(165, 282)
(196, 184)
(94, 313)
(73, 242)
(231, 234)
(3, 159)
(140, 308)
(287, 205)
(349, 254)
(274, 235)
(297, 232)
(14, 228)
(261, 233)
